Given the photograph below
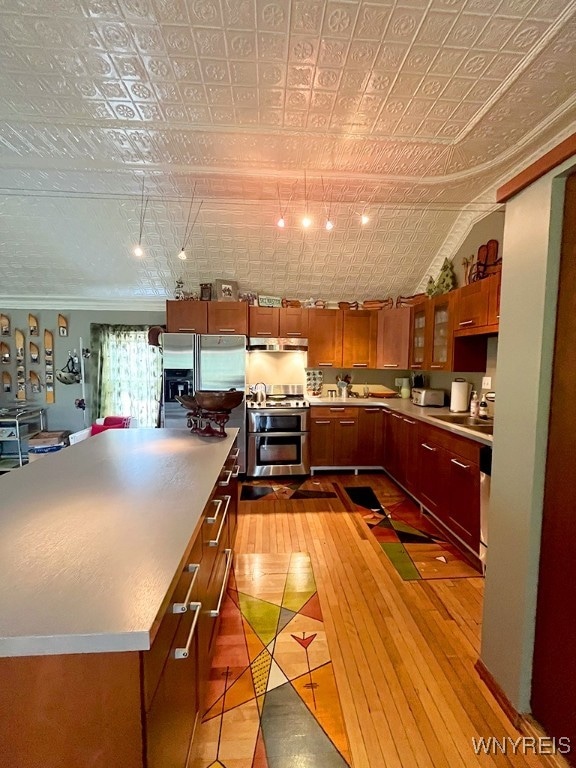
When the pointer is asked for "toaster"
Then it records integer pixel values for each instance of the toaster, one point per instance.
(428, 397)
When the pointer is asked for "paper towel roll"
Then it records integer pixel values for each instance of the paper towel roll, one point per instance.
(459, 395)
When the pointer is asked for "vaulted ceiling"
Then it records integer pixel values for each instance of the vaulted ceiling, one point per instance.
(233, 112)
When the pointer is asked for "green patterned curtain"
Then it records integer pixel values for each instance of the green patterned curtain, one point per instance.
(128, 373)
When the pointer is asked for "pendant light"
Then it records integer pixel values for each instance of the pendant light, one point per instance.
(188, 231)
(138, 250)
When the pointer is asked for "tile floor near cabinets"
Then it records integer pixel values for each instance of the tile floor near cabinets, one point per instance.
(328, 657)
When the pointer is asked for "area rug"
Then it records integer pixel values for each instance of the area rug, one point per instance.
(272, 698)
(273, 488)
(408, 537)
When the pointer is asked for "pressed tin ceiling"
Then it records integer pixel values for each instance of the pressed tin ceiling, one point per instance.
(411, 110)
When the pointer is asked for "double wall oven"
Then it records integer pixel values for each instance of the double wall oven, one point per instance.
(278, 436)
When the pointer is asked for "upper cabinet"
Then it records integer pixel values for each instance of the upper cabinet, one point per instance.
(282, 322)
(439, 348)
(418, 325)
(325, 338)
(359, 335)
(293, 322)
(342, 338)
(264, 321)
(228, 317)
(393, 345)
(187, 316)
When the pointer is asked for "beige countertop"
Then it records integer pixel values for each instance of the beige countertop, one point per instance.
(91, 538)
(406, 407)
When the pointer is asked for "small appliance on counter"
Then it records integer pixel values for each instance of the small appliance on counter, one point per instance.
(460, 396)
(428, 397)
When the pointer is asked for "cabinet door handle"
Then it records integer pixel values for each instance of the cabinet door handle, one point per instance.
(329, 364)
(216, 541)
(235, 453)
(416, 365)
(227, 330)
(336, 410)
(293, 333)
(218, 503)
(428, 447)
(182, 607)
(467, 322)
(264, 333)
(435, 365)
(327, 421)
(347, 423)
(216, 612)
(228, 478)
(359, 365)
(459, 464)
(390, 365)
(192, 330)
(371, 410)
(236, 471)
(408, 421)
(396, 415)
(183, 653)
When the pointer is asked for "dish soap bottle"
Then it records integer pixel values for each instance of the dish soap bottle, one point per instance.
(483, 408)
(474, 405)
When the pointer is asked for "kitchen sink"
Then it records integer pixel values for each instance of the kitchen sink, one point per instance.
(486, 426)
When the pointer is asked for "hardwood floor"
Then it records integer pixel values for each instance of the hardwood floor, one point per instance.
(403, 652)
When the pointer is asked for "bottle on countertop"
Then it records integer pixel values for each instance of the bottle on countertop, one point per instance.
(474, 405)
(483, 408)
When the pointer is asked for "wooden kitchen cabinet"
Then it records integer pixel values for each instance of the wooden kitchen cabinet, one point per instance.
(370, 451)
(439, 346)
(264, 321)
(494, 299)
(433, 480)
(228, 317)
(359, 337)
(187, 316)
(393, 338)
(418, 334)
(463, 504)
(333, 436)
(472, 306)
(293, 322)
(325, 338)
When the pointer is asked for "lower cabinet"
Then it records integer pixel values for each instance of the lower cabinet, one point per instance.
(346, 436)
(370, 437)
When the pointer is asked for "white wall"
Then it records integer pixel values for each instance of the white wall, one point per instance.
(531, 252)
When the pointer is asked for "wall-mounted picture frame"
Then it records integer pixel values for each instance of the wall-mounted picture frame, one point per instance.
(226, 290)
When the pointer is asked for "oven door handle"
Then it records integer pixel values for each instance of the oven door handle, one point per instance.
(278, 434)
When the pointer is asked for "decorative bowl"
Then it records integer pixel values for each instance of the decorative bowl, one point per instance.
(186, 401)
(219, 401)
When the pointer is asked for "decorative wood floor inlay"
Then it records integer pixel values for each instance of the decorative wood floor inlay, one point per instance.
(272, 701)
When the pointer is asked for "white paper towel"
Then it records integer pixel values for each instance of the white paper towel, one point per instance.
(459, 395)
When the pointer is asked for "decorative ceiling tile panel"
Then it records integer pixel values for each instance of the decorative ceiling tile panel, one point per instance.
(412, 111)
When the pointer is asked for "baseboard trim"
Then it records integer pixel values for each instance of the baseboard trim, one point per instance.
(504, 702)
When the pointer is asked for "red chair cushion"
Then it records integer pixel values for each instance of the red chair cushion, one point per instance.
(117, 421)
(97, 428)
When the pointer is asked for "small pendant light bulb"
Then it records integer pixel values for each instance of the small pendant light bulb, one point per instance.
(306, 221)
(329, 225)
(138, 251)
(281, 223)
(364, 219)
(182, 255)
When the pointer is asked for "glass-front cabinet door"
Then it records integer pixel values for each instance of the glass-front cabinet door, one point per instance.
(441, 333)
(418, 340)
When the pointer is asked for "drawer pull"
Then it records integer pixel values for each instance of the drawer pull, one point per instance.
(396, 415)
(182, 607)
(227, 330)
(335, 410)
(329, 364)
(218, 503)
(228, 478)
(235, 453)
(236, 471)
(216, 612)
(192, 330)
(326, 421)
(347, 423)
(294, 333)
(371, 410)
(390, 365)
(264, 333)
(216, 541)
(428, 447)
(459, 464)
(409, 421)
(183, 653)
(467, 322)
(359, 365)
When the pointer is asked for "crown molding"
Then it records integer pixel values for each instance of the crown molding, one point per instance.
(67, 303)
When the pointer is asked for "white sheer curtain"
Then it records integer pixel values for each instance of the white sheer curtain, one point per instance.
(128, 381)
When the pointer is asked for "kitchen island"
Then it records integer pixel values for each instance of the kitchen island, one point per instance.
(112, 552)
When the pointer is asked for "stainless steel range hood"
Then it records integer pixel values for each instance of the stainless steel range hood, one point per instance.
(268, 344)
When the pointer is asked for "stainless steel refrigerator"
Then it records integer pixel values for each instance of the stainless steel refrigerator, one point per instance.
(194, 361)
